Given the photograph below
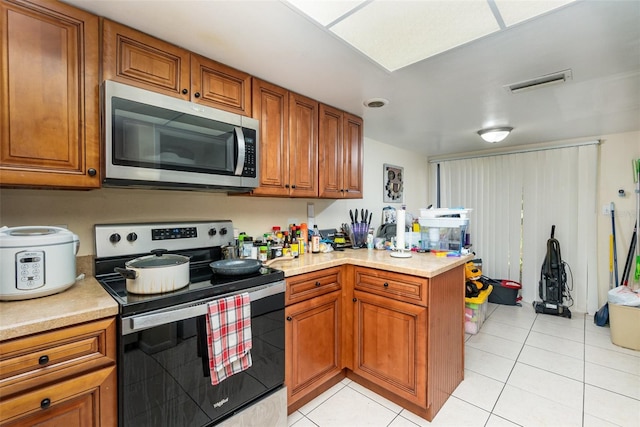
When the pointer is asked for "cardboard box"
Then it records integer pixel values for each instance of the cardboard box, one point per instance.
(625, 326)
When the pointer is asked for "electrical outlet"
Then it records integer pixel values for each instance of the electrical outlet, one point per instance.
(606, 209)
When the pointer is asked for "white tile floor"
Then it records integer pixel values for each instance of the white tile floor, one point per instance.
(521, 369)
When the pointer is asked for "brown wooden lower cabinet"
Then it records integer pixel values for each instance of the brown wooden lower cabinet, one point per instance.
(402, 336)
(64, 377)
(83, 401)
(390, 345)
(312, 333)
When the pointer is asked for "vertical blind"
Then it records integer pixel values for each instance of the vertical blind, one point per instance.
(516, 198)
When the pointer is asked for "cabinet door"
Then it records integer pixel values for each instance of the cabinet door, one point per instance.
(49, 129)
(353, 156)
(330, 153)
(390, 345)
(219, 86)
(135, 58)
(271, 108)
(87, 400)
(312, 344)
(303, 146)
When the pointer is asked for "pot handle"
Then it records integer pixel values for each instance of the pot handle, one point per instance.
(127, 274)
(158, 252)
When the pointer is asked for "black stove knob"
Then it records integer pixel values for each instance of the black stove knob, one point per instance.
(132, 237)
(223, 231)
(212, 232)
(114, 238)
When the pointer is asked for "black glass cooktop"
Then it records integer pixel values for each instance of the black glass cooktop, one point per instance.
(204, 284)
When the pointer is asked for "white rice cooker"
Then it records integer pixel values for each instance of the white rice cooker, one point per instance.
(36, 261)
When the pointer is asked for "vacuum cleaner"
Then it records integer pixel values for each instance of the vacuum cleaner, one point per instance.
(553, 282)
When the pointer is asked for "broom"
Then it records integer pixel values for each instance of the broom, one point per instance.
(636, 179)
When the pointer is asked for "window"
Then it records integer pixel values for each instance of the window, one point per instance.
(516, 198)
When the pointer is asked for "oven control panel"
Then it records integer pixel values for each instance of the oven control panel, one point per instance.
(132, 239)
(174, 233)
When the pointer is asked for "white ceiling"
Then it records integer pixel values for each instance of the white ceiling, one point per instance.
(436, 105)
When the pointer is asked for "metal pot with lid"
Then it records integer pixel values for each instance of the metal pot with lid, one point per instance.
(36, 261)
(156, 273)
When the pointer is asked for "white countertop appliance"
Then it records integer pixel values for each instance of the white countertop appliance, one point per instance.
(36, 261)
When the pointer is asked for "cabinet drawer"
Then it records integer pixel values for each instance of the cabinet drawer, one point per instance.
(398, 286)
(39, 359)
(305, 286)
(86, 400)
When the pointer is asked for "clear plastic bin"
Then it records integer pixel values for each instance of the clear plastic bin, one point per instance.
(475, 311)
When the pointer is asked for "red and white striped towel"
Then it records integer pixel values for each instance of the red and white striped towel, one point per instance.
(229, 336)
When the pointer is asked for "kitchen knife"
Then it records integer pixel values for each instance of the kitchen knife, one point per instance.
(369, 223)
(366, 215)
(356, 216)
(364, 218)
(351, 215)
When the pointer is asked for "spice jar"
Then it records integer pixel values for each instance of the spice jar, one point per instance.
(263, 253)
(247, 245)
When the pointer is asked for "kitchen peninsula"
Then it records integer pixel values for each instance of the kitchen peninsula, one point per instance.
(393, 325)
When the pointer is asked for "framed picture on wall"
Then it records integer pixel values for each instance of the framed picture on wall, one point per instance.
(393, 191)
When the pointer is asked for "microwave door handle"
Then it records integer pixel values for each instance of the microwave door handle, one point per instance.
(242, 150)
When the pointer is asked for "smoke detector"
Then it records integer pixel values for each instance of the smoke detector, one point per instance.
(540, 82)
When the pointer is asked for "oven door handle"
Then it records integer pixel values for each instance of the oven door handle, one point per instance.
(189, 310)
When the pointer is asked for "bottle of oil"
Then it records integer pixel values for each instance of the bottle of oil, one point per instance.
(315, 240)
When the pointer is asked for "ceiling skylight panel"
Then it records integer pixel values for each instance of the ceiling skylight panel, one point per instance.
(399, 33)
(327, 11)
(514, 11)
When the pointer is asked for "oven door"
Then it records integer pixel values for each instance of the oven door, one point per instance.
(163, 366)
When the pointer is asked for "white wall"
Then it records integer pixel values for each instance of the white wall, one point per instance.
(375, 156)
(615, 173)
(80, 210)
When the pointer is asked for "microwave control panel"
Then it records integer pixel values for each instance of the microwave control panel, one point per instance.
(250, 154)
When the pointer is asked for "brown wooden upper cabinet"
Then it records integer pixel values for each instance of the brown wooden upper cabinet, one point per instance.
(49, 129)
(340, 154)
(288, 141)
(135, 58)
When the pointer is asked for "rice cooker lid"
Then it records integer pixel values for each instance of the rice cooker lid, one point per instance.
(15, 237)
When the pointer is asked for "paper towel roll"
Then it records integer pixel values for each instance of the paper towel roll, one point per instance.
(400, 227)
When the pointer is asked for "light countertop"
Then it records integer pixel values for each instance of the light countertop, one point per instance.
(419, 264)
(86, 300)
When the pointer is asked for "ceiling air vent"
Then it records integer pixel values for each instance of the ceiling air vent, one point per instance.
(540, 82)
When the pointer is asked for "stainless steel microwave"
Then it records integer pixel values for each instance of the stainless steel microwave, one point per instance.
(154, 140)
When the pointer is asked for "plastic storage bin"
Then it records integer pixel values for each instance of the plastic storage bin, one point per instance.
(625, 325)
(475, 311)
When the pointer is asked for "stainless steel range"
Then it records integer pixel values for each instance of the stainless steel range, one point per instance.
(163, 368)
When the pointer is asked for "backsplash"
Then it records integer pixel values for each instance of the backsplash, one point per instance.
(81, 210)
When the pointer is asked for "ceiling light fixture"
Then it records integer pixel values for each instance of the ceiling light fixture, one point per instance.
(376, 102)
(493, 135)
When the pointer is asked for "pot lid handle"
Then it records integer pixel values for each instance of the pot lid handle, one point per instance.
(158, 252)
